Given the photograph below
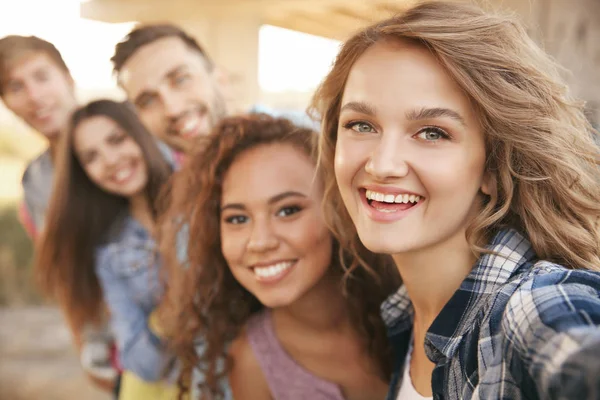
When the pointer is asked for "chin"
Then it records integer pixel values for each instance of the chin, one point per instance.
(383, 244)
(128, 192)
(48, 131)
(275, 301)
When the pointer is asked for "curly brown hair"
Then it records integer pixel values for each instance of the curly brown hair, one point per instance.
(203, 300)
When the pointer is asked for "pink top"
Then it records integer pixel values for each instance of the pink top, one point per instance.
(286, 379)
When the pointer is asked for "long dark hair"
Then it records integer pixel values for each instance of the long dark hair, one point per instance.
(203, 299)
(80, 214)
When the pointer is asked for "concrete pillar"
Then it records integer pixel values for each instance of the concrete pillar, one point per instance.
(570, 32)
(232, 42)
(572, 36)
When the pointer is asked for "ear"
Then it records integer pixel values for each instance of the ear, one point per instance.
(221, 77)
(71, 81)
(487, 183)
(225, 84)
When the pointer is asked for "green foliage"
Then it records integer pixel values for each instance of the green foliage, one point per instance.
(20, 144)
(7, 147)
(16, 256)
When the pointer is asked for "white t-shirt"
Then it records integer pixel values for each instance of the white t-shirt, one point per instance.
(407, 390)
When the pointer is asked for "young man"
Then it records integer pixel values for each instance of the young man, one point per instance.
(171, 81)
(36, 85)
(174, 85)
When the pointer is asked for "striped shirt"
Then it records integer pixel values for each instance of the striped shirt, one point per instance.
(517, 328)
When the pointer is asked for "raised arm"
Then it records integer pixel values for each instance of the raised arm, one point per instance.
(141, 350)
(553, 326)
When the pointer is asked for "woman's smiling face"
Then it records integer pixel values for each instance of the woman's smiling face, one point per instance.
(410, 152)
(273, 235)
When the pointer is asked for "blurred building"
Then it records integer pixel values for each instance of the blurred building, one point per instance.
(568, 29)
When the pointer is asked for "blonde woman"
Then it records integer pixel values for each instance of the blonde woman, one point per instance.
(451, 143)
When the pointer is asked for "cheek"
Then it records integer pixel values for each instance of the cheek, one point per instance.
(206, 124)
(63, 91)
(200, 89)
(453, 179)
(321, 251)
(314, 238)
(136, 152)
(94, 173)
(150, 120)
(350, 158)
(341, 163)
(130, 150)
(16, 104)
(231, 246)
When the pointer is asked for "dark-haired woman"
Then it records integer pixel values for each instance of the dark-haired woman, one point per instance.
(98, 246)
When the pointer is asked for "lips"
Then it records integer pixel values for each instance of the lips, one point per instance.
(43, 113)
(273, 272)
(190, 128)
(123, 174)
(389, 206)
(189, 124)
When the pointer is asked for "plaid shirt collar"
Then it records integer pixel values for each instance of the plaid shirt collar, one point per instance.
(511, 253)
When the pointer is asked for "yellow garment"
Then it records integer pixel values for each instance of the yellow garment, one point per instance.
(134, 388)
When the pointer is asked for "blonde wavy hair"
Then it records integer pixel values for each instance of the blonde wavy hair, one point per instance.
(541, 153)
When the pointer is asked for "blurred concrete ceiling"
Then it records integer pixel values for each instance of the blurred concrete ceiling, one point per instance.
(335, 19)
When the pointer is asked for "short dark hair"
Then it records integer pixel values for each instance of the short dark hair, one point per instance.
(13, 47)
(146, 34)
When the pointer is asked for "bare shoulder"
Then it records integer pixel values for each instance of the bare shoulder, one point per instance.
(246, 378)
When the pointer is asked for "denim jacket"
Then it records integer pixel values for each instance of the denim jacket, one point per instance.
(128, 270)
(517, 328)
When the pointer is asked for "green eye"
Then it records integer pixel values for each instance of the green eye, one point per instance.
(236, 219)
(432, 134)
(287, 211)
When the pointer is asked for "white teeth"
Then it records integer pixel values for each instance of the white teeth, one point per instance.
(272, 270)
(390, 198)
(123, 174)
(189, 125)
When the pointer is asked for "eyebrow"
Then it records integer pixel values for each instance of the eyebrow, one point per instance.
(413, 115)
(435, 112)
(115, 132)
(359, 107)
(272, 200)
(169, 75)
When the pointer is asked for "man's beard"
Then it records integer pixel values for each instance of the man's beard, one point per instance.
(216, 113)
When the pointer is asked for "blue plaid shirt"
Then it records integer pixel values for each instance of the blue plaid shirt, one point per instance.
(517, 328)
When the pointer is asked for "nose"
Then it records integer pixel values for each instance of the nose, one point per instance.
(174, 105)
(389, 158)
(262, 237)
(34, 94)
(110, 158)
